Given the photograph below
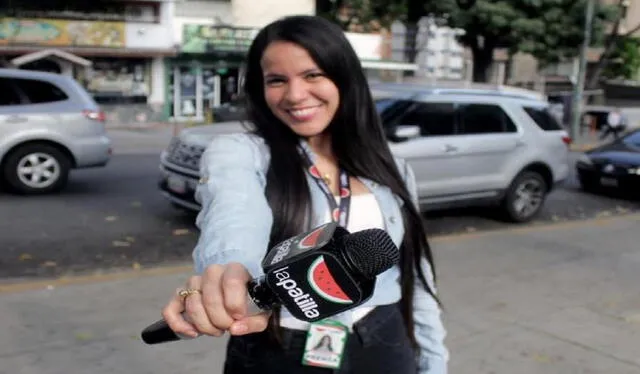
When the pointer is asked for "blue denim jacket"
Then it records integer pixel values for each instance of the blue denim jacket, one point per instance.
(235, 223)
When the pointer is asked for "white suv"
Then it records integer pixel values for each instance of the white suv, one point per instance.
(49, 125)
(466, 146)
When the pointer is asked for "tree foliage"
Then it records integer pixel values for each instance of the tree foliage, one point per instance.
(362, 15)
(624, 61)
(551, 30)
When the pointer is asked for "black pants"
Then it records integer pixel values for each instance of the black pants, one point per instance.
(378, 345)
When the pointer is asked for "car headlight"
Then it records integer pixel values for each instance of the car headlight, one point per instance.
(584, 159)
(634, 171)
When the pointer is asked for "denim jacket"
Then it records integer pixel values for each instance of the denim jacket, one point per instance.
(235, 224)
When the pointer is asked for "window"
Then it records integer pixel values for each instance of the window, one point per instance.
(9, 94)
(434, 119)
(543, 118)
(40, 92)
(633, 139)
(391, 110)
(383, 104)
(484, 119)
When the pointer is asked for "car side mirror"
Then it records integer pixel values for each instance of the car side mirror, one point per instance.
(406, 132)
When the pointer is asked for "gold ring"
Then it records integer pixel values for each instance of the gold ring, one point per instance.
(188, 292)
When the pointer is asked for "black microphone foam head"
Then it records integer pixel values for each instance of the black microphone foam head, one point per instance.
(371, 251)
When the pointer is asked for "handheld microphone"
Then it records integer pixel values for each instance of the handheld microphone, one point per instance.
(314, 275)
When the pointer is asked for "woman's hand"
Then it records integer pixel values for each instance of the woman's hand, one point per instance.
(220, 306)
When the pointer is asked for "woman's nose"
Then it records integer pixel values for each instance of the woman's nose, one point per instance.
(296, 91)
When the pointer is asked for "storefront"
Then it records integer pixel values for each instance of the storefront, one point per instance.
(105, 57)
(207, 72)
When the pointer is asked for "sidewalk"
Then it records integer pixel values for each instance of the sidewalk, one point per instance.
(589, 140)
(550, 299)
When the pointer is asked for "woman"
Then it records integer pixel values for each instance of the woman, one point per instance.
(311, 107)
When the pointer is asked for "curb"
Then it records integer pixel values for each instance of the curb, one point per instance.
(582, 147)
(14, 286)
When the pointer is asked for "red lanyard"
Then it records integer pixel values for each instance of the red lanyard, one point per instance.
(339, 212)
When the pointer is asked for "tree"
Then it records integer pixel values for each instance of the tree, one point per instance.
(624, 59)
(613, 41)
(362, 15)
(550, 30)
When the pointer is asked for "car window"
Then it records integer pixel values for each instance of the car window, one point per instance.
(9, 95)
(40, 92)
(484, 119)
(392, 111)
(382, 104)
(543, 118)
(633, 139)
(434, 119)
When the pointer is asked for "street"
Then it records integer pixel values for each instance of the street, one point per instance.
(115, 218)
(556, 299)
(83, 272)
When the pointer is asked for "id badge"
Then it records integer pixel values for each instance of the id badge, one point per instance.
(325, 345)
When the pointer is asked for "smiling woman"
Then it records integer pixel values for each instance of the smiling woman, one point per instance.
(297, 91)
(318, 154)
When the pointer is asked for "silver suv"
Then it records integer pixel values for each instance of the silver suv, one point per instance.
(48, 125)
(467, 147)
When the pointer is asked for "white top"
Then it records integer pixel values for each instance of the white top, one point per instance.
(614, 119)
(364, 213)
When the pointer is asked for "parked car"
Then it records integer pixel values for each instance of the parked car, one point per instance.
(467, 147)
(615, 165)
(48, 125)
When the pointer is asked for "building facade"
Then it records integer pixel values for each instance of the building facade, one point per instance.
(214, 37)
(116, 52)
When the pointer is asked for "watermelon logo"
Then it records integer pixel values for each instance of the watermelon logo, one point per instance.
(344, 192)
(315, 172)
(312, 239)
(336, 214)
(323, 283)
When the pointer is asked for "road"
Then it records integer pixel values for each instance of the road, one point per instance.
(554, 299)
(115, 218)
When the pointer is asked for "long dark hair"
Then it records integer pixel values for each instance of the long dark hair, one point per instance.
(358, 142)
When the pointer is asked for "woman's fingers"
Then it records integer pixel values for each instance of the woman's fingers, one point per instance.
(220, 304)
(172, 314)
(195, 310)
(250, 325)
(213, 299)
(234, 289)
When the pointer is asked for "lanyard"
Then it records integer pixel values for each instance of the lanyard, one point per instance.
(339, 213)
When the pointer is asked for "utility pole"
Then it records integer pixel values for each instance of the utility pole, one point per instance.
(579, 89)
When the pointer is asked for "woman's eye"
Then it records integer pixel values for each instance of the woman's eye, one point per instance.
(274, 81)
(312, 76)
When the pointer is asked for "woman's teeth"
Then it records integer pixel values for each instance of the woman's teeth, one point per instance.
(302, 112)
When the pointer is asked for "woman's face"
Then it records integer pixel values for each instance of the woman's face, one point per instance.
(296, 90)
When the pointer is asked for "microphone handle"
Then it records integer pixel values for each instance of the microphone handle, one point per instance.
(259, 299)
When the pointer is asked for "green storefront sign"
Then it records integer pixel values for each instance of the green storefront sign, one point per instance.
(216, 39)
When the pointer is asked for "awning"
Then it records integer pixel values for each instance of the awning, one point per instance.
(95, 52)
(388, 65)
(35, 56)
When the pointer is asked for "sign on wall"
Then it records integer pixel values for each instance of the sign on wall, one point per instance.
(367, 46)
(54, 32)
(211, 38)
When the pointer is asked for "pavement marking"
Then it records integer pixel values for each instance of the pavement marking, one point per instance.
(184, 269)
(93, 278)
(582, 147)
(599, 221)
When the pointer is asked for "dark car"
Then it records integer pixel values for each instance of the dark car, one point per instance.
(612, 166)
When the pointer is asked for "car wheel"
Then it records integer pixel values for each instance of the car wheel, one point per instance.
(525, 197)
(36, 169)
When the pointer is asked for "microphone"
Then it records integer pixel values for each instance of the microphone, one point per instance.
(314, 275)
